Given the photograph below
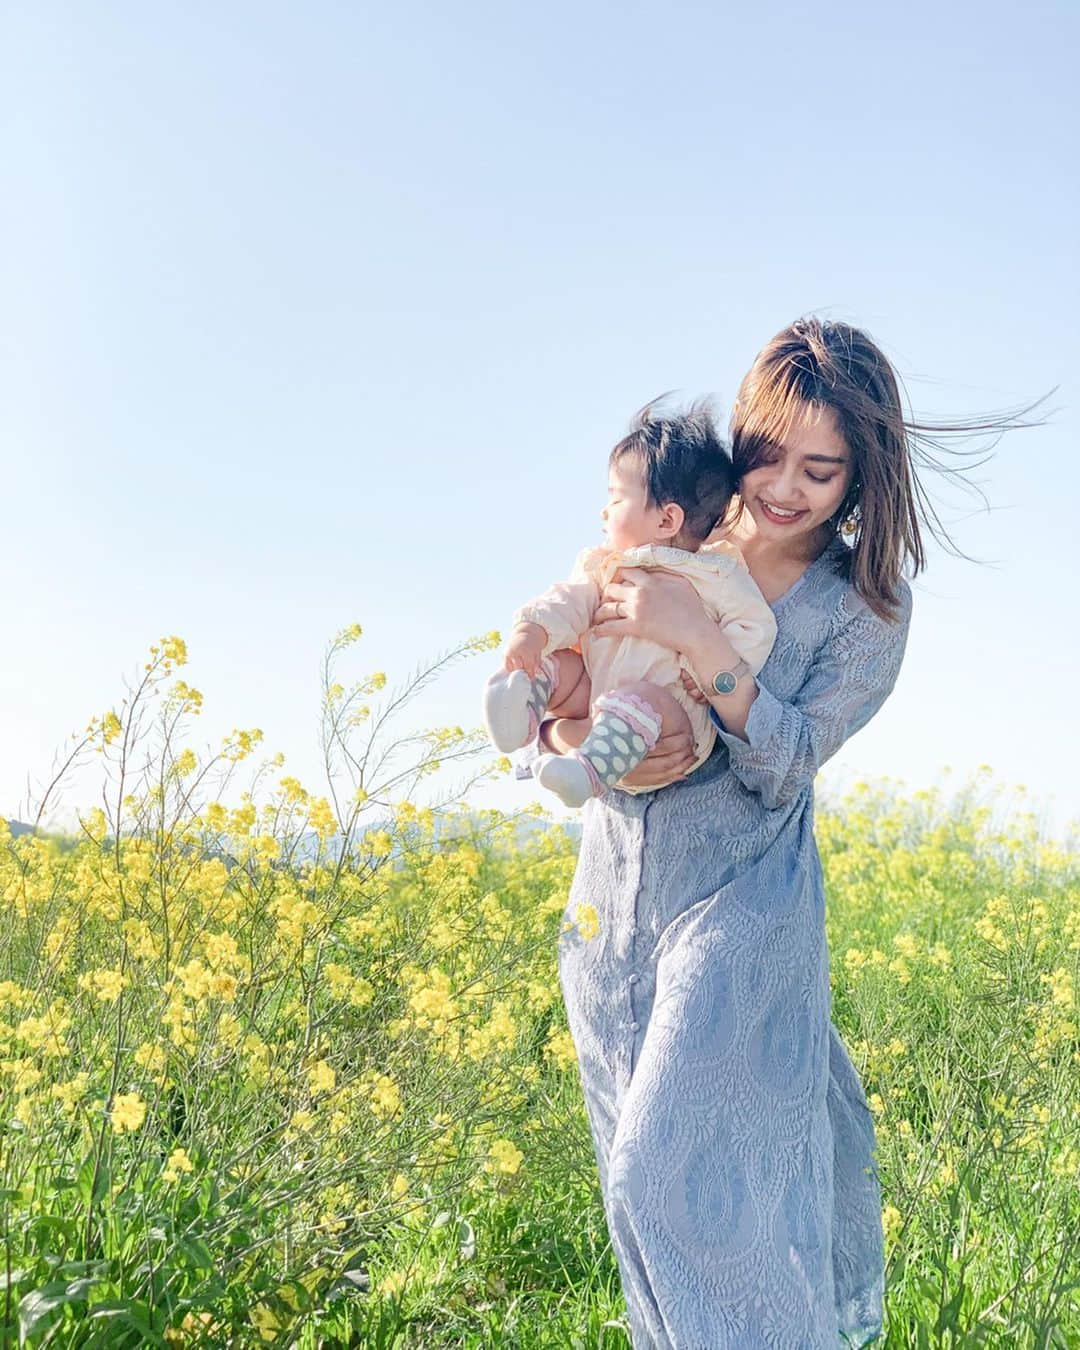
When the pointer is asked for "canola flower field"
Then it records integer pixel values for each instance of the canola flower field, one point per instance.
(270, 1076)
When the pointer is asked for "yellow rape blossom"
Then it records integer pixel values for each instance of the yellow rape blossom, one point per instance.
(560, 1048)
(194, 979)
(504, 1158)
(293, 792)
(186, 763)
(240, 743)
(221, 951)
(107, 985)
(378, 843)
(186, 699)
(385, 1097)
(71, 1092)
(12, 995)
(177, 1162)
(321, 1077)
(321, 817)
(393, 1283)
(128, 1112)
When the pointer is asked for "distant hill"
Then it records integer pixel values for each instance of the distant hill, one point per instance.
(444, 826)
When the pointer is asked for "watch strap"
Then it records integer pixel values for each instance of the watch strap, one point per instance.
(724, 681)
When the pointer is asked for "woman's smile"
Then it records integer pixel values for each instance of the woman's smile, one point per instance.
(780, 515)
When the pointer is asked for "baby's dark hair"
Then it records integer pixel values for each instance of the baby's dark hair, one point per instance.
(685, 460)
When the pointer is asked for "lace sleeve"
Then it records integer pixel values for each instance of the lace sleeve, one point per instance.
(851, 677)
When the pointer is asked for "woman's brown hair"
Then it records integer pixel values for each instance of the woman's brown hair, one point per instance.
(829, 364)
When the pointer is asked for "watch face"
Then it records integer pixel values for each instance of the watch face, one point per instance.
(725, 682)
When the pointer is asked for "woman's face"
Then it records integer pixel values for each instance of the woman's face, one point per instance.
(803, 483)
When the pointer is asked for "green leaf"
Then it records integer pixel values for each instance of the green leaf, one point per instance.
(44, 1224)
(197, 1252)
(77, 1290)
(76, 1269)
(947, 1313)
(36, 1306)
(131, 1313)
(92, 1175)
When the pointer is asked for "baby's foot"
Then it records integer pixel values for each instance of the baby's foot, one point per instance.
(571, 777)
(625, 728)
(507, 711)
(514, 704)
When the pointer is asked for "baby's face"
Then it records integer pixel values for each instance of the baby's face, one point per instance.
(628, 521)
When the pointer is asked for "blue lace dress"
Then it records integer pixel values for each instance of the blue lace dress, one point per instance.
(732, 1134)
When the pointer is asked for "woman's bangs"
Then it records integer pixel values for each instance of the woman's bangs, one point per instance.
(782, 398)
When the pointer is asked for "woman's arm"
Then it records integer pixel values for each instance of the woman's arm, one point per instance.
(775, 746)
(710, 653)
(666, 609)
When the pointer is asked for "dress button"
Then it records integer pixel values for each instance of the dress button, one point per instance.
(633, 1026)
(632, 978)
(633, 930)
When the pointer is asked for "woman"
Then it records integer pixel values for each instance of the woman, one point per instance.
(732, 1134)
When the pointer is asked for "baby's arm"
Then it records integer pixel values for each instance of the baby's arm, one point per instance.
(746, 619)
(565, 611)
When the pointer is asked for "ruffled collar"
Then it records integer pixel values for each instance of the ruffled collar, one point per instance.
(722, 555)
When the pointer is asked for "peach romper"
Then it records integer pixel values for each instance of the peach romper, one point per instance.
(720, 576)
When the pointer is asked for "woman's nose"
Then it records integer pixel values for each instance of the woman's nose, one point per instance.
(784, 485)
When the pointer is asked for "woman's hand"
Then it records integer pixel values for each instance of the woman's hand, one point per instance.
(640, 602)
(672, 754)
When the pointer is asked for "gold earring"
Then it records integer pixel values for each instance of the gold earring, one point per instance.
(849, 525)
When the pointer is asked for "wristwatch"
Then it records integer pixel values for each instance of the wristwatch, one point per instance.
(724, 681)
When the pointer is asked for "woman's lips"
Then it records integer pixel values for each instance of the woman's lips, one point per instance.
(770, 514)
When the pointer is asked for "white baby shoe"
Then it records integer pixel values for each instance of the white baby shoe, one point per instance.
(567, 777)
(506, 709)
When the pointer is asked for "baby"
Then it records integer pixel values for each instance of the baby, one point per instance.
(670, 483)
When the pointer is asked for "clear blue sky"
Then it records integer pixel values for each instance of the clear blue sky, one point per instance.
(331, 312)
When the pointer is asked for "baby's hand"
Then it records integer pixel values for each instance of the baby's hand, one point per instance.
(525, 649)
(691, 687)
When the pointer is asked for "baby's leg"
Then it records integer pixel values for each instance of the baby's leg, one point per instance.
(514, 702)
(561, 734)
(567, 721)
(626, 725)
(572, 694)
(672, 713)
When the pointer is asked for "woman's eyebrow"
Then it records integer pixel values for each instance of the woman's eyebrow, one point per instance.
(826, 459)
